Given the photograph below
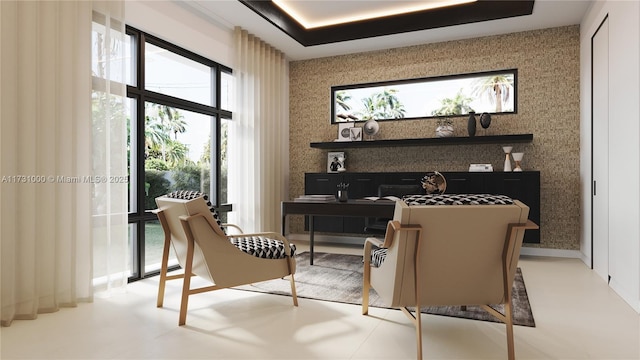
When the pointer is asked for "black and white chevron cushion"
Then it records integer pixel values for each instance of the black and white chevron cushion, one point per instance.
(377, 256)
(262, 247)
(190, 195)
(457, 199)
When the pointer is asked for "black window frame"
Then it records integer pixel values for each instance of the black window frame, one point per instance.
(140, 215)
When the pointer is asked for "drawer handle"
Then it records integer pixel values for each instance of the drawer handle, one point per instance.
(322, 179)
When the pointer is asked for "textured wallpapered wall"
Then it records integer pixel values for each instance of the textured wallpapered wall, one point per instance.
(548, 107)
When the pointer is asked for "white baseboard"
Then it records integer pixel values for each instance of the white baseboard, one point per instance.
(354, 240)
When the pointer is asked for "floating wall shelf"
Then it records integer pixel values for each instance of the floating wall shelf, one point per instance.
(492, 139)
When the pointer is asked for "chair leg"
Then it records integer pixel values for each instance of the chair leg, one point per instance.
(294, 295)
(165, 258)
(508, 313)
(188, 272)
(418, 334)
(366, 278)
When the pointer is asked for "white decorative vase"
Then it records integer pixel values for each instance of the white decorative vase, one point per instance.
(507, 160)
(517, 157)
(444, 131)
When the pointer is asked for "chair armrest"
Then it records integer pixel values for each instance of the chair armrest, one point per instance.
(373, 242)
(233, 226)
(369, 243)
(395, 226)
(529, 225)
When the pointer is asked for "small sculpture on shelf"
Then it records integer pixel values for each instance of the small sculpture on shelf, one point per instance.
(485, 120)
(517, 157)
(471, 124)
(507, 160)
(370, 129)
(444, 127)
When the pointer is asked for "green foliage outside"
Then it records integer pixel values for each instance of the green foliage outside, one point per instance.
(156, 164)
(187, 177)
(156, 184)
(167, 165)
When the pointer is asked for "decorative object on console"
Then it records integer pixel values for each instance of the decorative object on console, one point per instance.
(344, 131)
(434, 183)
(471, 124)
(444, 128)
(356, 133)
(315, 198)
(507, 160)
(517, 157)
(480, 168)
(342, 192)
(485, 120)
(371, 128)
(334, 162)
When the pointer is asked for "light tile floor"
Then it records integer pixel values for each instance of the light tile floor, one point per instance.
(577, 316)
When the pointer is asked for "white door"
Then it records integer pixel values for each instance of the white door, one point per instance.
(600, 141)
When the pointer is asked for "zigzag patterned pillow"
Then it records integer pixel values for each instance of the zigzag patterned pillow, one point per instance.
(190, 195)
(262, 247)
(457, 199)
(377, 256)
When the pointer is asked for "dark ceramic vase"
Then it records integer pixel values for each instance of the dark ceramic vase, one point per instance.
(471, 125)
(485, 120)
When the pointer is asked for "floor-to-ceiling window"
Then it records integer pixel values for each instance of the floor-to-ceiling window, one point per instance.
(178, 115)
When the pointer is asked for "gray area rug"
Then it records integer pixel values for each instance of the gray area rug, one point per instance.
(338, 278)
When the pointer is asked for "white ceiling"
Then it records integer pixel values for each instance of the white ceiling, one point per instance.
(230, 13)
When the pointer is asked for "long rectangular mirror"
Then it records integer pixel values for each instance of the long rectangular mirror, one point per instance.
(494, 92)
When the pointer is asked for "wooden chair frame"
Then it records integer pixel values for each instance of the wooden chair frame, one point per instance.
(509, 264)
(187, 222)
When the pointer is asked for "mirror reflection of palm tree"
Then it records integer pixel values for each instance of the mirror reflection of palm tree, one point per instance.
(496, 88)
(341, 100)
(382, 105)
(454, 106)
(391, 105)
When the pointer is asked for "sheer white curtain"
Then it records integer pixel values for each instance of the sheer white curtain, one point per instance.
(258, 134)
(109, 148)
(46, 163)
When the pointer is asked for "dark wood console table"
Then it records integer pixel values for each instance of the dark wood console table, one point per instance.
(351, 208)
(524, 186)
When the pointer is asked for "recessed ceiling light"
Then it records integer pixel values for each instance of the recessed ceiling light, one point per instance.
(319, 13)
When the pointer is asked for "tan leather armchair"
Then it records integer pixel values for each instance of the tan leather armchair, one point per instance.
(203, 249)
(447, 255)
